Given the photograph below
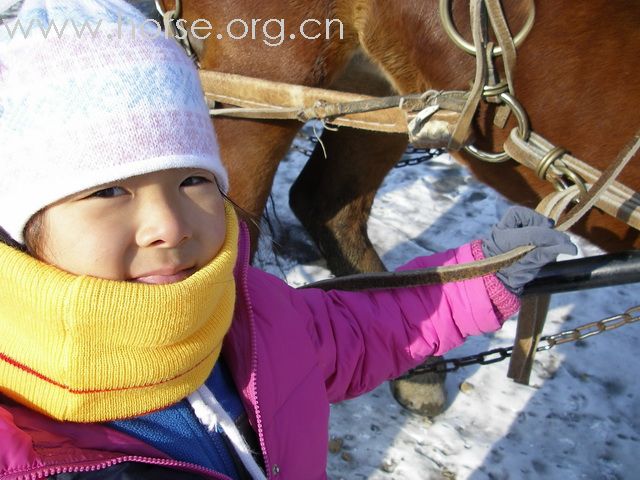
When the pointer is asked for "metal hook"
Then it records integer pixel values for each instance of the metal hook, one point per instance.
(524, 130)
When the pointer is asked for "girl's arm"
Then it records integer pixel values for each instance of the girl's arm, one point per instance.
(364, 339)
(361, 339)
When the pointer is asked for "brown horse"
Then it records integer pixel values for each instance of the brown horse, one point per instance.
(576, 76)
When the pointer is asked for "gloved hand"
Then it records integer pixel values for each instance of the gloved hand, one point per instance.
(523, 226)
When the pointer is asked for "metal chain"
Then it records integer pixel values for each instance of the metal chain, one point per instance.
(590, 329)
(495, 355)
(304, 143)
(412, 156)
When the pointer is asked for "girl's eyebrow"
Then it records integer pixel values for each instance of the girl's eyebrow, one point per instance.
(202, 172)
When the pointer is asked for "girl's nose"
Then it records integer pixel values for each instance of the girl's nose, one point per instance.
(162, 223)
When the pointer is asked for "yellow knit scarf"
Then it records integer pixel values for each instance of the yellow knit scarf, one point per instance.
(84, 349)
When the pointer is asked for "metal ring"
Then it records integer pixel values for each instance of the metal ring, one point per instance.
(524, 130)
(495, 90)
(573, 176)
(454, 35)
(552, 160)
(551, 156)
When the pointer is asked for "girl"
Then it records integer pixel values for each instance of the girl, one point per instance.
(136, 339)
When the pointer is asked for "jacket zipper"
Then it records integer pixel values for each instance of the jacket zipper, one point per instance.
(254, 344)
(45, 472)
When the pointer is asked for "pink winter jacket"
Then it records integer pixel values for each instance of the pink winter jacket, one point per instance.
(292, 353)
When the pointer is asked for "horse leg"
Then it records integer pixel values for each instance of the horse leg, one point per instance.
(252, 163)
(332, 196)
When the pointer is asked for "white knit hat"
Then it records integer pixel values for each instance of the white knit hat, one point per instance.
(81, 110)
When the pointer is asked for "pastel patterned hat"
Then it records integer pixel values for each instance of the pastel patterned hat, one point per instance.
(88, 96)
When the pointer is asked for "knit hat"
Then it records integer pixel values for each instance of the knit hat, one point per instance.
(88, 96)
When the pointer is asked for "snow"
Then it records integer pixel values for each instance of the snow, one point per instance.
(578, 419)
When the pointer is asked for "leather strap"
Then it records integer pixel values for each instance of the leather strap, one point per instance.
(265, 99)
(615, 198)
(504, 38)
(534, 309)
(453, 273)
(462, 128)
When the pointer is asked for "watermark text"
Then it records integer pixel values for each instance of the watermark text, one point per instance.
(273, 32)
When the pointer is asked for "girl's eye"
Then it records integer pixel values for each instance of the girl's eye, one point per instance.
(194, 180)
(109, 192)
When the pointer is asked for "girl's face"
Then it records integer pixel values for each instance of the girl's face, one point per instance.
(155, 228)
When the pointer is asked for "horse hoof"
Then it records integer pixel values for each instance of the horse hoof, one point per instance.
(422, 393)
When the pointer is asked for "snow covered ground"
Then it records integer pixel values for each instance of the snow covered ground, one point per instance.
(579, 418)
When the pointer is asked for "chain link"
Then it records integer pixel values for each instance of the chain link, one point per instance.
(632, 315)
(414, 156)
(590, 329)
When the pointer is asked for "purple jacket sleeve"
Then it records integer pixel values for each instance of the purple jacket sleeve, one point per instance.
(365, 338)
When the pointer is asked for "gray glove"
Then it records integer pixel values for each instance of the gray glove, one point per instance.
(523, 226)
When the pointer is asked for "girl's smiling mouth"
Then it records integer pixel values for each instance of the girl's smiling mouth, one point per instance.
(165, 276)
